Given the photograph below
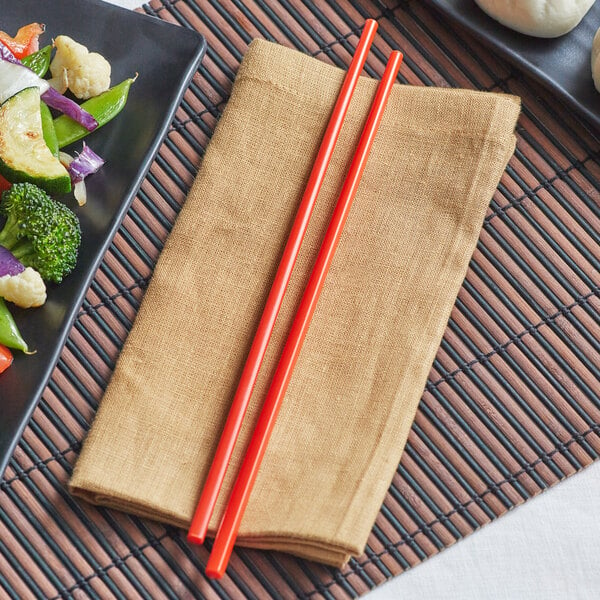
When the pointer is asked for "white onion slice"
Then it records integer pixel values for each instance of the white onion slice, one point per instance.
(80, 192)
(14, 78)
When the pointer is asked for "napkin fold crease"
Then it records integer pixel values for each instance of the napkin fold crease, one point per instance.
(435, 164)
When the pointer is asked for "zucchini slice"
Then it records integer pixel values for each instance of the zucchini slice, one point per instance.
(24, 155)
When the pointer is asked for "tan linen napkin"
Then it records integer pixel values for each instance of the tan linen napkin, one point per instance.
(435, 164)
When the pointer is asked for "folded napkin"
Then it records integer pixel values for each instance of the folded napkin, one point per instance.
(435, 164)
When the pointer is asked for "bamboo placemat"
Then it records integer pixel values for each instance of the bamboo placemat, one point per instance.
(511, 405)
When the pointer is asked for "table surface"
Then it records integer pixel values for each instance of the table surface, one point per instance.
(542, 550)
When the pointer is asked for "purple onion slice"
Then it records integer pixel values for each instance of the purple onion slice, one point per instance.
(65, 105)
(7, 55)
(9, 264)
(84, 164)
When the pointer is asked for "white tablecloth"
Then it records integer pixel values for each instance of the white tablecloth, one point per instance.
(547, 549)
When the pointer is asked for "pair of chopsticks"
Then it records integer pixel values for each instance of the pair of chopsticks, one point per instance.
(240, 494)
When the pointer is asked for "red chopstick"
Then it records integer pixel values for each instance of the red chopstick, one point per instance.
(216, 474)
(228, 529)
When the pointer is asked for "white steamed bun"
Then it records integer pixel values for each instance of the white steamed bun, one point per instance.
(539, 18)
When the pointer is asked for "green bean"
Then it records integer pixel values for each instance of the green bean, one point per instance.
(39, 61)
(48, 129)
(9, 332)
(103, 108)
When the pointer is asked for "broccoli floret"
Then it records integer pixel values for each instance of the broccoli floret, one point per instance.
(41, 232)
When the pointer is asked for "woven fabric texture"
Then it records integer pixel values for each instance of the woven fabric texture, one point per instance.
(436, 162)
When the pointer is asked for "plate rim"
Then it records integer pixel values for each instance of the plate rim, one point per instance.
(514, 57)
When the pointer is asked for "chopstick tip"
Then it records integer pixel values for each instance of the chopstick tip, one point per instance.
(213, 571)
(395, 60)
(213, 574)
(195, 538)
(371, 24)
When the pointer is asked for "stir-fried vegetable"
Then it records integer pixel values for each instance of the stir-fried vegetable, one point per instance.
(14, 77)
(9, 332)
(85, 163)
(25, 42)
(85, 73)
(40, 238)
(69, 108)
(20, 285)
(41, 232)
(9, 263)
(24, 155)
(26, 290)
(48, 130)
(39, 62)
(6, 358)
(103, 108)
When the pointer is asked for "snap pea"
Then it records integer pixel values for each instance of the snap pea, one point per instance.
(48, 129)
(39, 61)
(103, 108)
(9, 332)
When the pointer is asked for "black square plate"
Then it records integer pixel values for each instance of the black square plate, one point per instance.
(561, 64)
(165, 57)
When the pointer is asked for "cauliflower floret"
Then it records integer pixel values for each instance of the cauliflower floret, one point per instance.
(87, 74)
(27, 289)
(61, 82)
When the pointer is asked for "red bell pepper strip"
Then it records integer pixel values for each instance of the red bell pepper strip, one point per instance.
(25, 42)
(6, 358)
(4, 184)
